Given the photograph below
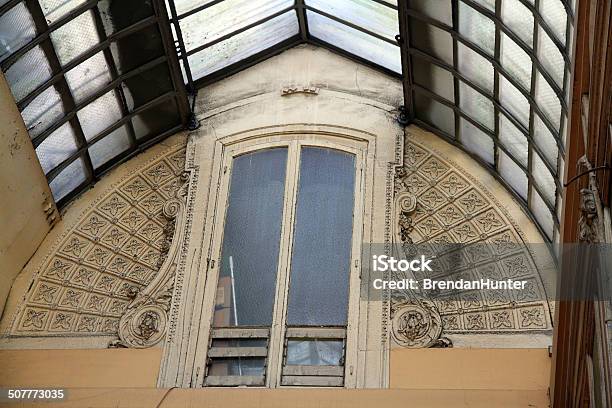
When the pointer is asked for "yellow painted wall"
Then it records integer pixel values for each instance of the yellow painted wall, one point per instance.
(424, 378)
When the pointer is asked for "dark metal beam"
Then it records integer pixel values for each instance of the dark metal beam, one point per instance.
(403, 39)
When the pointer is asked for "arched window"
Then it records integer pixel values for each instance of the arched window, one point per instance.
(287, 244)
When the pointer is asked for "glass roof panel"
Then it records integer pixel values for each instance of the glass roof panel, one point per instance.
(69, 179)
(226, 17)
(354, 41)
(244, 45)
(16, 30)
(368, 14)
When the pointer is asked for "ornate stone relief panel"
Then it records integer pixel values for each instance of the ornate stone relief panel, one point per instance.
(99, 268)
(438, 203)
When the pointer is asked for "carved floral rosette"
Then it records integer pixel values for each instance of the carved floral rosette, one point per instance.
(415, 324)
(144, 323)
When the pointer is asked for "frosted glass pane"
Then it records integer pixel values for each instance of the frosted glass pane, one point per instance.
(183, 6)
(43, 111)
(553, 12)
(368, 14)
(477, 28)
(226, 17)
(244, 45)
(519, 19)
(550, 57)
(88, 77)
(440, 10)
(68, 180)
(543, 179)
(99, 115)
(56, 9)
(355, 42)
(432, 40)
(28, 73)
(515, 61)
(514, 101)
(513, 140)
(315, 352)
(476, 105)
(76, 37)
(434, 78)
(475, 67)
(547, 100)
(476, 141)
(251, 240)
(541, 213)
(434, 113)
(321, 257)
(109, 147)
(488, 4)
(545, 141)
(56, 148)
(16, 30)
(513, 174)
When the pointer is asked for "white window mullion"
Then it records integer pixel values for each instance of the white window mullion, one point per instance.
(277, 334)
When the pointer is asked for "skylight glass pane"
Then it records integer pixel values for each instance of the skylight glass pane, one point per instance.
(516, 61)
(109, 147)
(514, 101)
(477, 28)
(368, 14)
(475, 67)
(548, 101)
(244, 45)
(476, 105)
(513, 139)
(68, 180)
(76, 37)
(43, 111)
(543, 179)
(519, 19)
(226, 17)
(434, 113)
(16, 30)
(183, 6)
(432, 40)
(553, 12)
(545, 141)
(541, 213)
(513, 174)
(99, 115)
(56, 9)
(88, 77)
(355, 41)
(476, 141)
(488, 4)
(551, 58)
(440, 10)
(433, 78)
(28, 73)
(56, 148)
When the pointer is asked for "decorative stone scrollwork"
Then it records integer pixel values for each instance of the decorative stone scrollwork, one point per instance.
(416, 324)
(145, 321)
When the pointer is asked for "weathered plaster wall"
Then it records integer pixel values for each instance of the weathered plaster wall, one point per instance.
(27, 209)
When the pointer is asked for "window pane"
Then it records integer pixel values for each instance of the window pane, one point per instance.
(476, 105)
(251, 239)
(56, 148)
(545, 141)
(28, 73)
(513, 139)
(76, 37)
(354, 41)
(520, 20)
(88, 77)
(320, 264)
(99, 115)
(542, 213)
(476, 141)
(514, 101)
(477, 28)
(516, 61)
(475, 67)
(16, 30)
(513, 174)
(109, 147)
(43, 111)
(368, 14)
(226, 17)
(553, 12)
(440, 10)
(551, 58)
(56, 9)
(548, 101)
(315, 352)
(69, 179)
(432, 40)
(244, 45)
